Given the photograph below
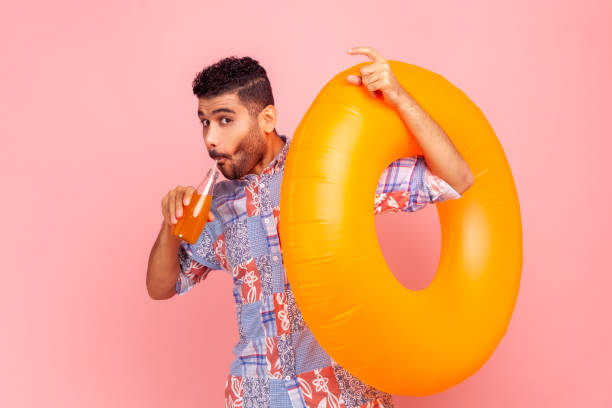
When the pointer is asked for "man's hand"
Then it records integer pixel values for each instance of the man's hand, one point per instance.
(377, 77)
(172, 204)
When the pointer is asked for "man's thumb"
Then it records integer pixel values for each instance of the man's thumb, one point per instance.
(354, 79)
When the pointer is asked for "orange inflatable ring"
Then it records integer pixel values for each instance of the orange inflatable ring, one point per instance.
(401, 341)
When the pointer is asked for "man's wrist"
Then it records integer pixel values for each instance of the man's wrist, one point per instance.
(406, 103)
(167, 237)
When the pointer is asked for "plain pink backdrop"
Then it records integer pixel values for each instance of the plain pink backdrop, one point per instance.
(98, 122)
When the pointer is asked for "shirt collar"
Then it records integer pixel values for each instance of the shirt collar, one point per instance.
(276, 164)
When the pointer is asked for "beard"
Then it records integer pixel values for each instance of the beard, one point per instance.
(250, 151)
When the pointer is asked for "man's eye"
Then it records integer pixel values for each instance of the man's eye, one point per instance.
(205, 121)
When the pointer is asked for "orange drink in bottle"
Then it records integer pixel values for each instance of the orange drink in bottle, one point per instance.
(195, 215)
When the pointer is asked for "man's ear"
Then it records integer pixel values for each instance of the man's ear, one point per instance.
(267, 119)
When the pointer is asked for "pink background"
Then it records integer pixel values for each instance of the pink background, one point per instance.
(99, 122)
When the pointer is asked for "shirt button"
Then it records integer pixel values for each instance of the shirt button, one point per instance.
(275, 258)
(287, 378)
(263, 185)
(267, 220)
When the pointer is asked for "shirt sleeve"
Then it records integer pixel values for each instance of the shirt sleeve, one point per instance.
(407, 184)
(197, 260)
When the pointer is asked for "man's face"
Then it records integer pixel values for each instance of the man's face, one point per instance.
(231, 134)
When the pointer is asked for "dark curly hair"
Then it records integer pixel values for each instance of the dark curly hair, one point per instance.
(243, 76)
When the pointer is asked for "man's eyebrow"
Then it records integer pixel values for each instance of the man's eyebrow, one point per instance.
(200, 113)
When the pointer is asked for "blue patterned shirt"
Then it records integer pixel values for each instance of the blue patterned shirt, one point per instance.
(278, 362)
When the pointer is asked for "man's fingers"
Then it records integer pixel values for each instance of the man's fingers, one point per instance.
(367, 51)
(374, 67)
(367, 72)
(375, 85)
(188, 194)
(179, 203)
(354, 79)
(369, 78)
(171, 207)
(165, 213)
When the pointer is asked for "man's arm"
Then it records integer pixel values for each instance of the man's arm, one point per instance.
(439, 152)
(163, 268)
(171, 267)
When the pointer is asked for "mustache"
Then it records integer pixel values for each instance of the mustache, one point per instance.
(215, 155)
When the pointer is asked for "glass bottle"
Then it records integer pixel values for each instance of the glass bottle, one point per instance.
(195, 215)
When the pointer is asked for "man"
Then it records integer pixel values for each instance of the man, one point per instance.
(278, 361)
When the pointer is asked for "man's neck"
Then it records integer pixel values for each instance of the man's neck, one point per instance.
(274, 145)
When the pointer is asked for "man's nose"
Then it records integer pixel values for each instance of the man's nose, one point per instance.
(212, 138)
